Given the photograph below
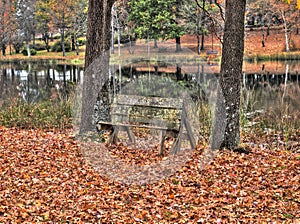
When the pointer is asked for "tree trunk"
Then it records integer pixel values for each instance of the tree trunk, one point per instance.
(198, 44)
(226, 130)
(203, 25)
(76, 44)
(28, 49)
(112, 32)
(202, 41)
(73, 42)
(98, 34)
(179, 76)
(285, 33)
(46, 40)
(3, 48)
(33, 39)
(96, 61)
(63, 42)
(178, 44)
(119, 41)
(155, 43)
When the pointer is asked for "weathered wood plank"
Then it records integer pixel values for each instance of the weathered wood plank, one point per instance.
(133, 100)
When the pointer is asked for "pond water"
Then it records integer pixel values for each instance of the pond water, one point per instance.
(37, 81)
(264, 84)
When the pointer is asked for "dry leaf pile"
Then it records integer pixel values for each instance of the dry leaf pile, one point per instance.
(45, 178)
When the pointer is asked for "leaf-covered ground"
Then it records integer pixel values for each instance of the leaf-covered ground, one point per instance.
(44, 178)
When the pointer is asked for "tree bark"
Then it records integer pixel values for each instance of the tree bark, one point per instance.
(178, 44)
(98, 34)
(198, 44)
(96, 62)
(28, 49)
(227, 114)
(3, 49)
(63, 42)
(76, 44)
(202, 40)
(287, 46)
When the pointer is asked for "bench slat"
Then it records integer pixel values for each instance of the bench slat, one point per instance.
(146, 101)
(137, 121)
(122, 124)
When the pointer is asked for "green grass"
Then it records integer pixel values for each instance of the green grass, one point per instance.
(284, 56)
(51, 113)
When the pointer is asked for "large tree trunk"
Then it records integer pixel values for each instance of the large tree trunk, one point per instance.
(98, 35)
(228, 103)
(96, 61)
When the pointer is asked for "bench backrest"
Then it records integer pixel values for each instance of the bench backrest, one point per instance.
(145, 111)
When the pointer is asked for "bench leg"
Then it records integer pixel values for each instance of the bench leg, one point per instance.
(130, 134)
(176, 145)
(162, 142)
(113, 139)
(177, 142)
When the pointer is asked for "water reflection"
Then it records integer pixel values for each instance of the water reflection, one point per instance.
(268, 82)
(33, 82)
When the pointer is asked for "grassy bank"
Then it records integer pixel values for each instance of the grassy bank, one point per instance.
(70, 58)
(47, 114)
(284, 56)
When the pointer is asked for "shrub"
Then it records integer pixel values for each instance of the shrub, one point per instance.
(292, 45)
(81, 41)
(32, 52)
(57, 47)
(39, 47)
(124, 38)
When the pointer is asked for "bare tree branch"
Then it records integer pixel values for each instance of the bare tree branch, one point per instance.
(221, 10)
(214, 21)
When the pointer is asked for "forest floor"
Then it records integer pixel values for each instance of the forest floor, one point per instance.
(274, 43)
(46, 179)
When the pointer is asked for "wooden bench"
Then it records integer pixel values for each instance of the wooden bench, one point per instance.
(163, 114)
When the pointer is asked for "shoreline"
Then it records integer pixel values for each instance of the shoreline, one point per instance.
(278, 57)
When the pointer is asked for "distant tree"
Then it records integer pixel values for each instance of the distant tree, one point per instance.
(212, 18)
(120, 25)
(25, 14)
(79, 22)
(7, 23)
(193, 17)
(289, 17)
(226, 130)
(62, 12)
(198, 16)
(44, 20)
(287, 14)
(274, 12)
(155, 19)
